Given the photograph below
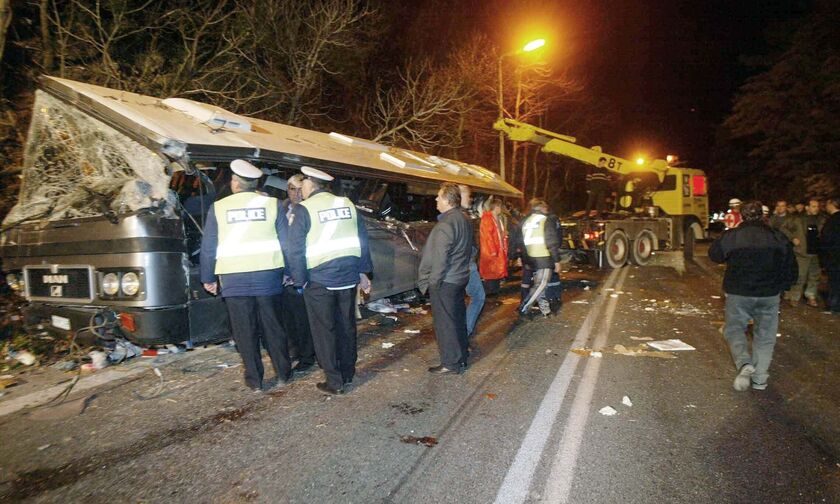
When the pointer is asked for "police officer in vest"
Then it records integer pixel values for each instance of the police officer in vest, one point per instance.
(541, 242)
(244, 238)
(328, 258)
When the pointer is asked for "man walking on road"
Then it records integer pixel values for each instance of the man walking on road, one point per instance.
(328, 257)
(830, 252)
(444, 272)
(541, 243)
(760, 265)
(243, 242)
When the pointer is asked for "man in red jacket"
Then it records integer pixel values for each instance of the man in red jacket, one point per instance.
(493, 262)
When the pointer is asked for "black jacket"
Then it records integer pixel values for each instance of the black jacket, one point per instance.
(447, 251)
(759, 260)
(830, 243)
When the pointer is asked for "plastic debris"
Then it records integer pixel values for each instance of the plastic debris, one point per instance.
(98, 359)
(580, 301)
(715, 297)
(671, 345)
(124, 350)
(641, 338)
(402, 306)
(44, 447)
(608, 411)
(595, 354)
(387, 344)
(627, 402)
(25, 357)
(411, 331)
(381, 306)
(613, 295)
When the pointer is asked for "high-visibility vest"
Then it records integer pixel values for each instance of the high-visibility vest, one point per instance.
(533, 235)
(247, 235)
(333, 229)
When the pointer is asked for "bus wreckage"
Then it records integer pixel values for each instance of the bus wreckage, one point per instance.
(105, 235)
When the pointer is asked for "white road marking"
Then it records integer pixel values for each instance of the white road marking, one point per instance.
(559, 482)
(517, 482)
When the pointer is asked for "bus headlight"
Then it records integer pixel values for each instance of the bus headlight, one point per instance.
(130, 283)
(110, 284)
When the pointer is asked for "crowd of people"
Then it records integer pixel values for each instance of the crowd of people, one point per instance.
(290, 271)
(770, 258)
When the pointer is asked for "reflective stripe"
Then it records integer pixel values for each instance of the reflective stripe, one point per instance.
(333, 246)
(533, 235)
(250, 248)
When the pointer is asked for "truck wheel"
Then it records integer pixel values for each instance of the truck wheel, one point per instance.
(688, 243)
(643, 246)
(617, 248)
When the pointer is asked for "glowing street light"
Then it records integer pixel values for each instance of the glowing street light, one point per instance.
(529, 47)
(640, 160)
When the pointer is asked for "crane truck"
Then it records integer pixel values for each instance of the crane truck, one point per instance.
(661, 206)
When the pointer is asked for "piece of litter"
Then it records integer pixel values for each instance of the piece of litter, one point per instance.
(580, 301)
(613, 295)
(715, 297)
(609, 289)
(44, 447)
(595, 354)
(586, 288)
(411, 331)
(608, 411)
(426, 441)
(510, 301)
(671, 345)
(648, 309)
(548, 351)
(690, 406)
(387, 344)
(490, 396)
(641, 338)
(778, 335)
(626, 401)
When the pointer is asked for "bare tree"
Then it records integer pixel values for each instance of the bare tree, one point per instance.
(5, 21)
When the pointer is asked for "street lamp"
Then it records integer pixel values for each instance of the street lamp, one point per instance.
(530, 46)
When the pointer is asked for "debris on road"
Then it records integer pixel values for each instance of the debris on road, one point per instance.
(627, 402)
(411, 331)
(641, 338)
(596, 354)
(608, 411)
(580, 301)
(7, 381)
(387, 344)
(715, 297)
(381, 306)
(426, 441)
(671, 345)
(637, 351)
(490, 396)
(44, 447)
(418, 311)
(613, 295)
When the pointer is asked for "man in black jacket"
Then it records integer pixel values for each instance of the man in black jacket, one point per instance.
(597, 187)
(830, 252)
(760, 265)
(444, 272)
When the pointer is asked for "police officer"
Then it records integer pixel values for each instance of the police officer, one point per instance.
(243, 243)
(541, 242)
(328, 258)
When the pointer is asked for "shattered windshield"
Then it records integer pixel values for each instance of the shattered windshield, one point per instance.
(76, 166)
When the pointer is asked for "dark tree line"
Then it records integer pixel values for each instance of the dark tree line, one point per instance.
(782, 139)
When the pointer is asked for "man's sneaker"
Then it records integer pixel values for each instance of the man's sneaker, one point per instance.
(742, 380)
(759, 386)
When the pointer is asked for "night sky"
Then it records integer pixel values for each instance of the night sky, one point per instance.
(669, 69)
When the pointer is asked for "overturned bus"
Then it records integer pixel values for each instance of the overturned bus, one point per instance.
(105, 235)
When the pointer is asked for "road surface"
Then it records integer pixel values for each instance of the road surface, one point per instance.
(521, 425)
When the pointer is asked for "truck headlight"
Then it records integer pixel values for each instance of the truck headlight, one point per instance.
(15, 283)
(130, 283)
(110, 284)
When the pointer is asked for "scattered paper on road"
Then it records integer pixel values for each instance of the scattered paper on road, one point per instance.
(715, 297)
(580, 301)
(641, 338)
(411, 331)
(387, 344)
(671, 345)
(608, 411)
(626, 401)
(596, 354)
(613, 295)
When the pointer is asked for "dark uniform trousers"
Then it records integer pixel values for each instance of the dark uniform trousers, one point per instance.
(297, 327)
(597, 197)
(449, 314)
(834, 290)
(255, 318)
(332, 318)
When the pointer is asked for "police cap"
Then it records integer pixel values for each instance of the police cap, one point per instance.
(316, 173)
(245, 169)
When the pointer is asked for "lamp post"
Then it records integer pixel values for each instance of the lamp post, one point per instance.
(530, 46)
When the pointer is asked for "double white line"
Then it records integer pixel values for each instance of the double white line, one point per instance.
(517, 483)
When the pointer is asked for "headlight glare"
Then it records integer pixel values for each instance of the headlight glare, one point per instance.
(110, 284)
(130, 283)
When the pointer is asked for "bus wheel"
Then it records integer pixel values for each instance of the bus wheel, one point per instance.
(617, 249)
(642, 249)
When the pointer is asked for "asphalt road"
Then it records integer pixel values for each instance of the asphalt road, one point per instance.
(522, 425)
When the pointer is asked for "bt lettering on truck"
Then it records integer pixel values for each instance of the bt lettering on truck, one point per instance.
(238, 215)
(334, 214)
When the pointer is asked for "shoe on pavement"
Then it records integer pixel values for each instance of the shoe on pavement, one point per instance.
(813, 302)
(742, 379)
(759, 386)
(442, 370)
(324, 387)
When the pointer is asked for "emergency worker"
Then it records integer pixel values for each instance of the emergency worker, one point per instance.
(329, 257)
(733, 216)
(243, 244)
(541, 243)
(294, 306)
(597, 187)
(493, 238)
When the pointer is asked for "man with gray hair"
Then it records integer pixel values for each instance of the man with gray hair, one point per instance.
(760, 265)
